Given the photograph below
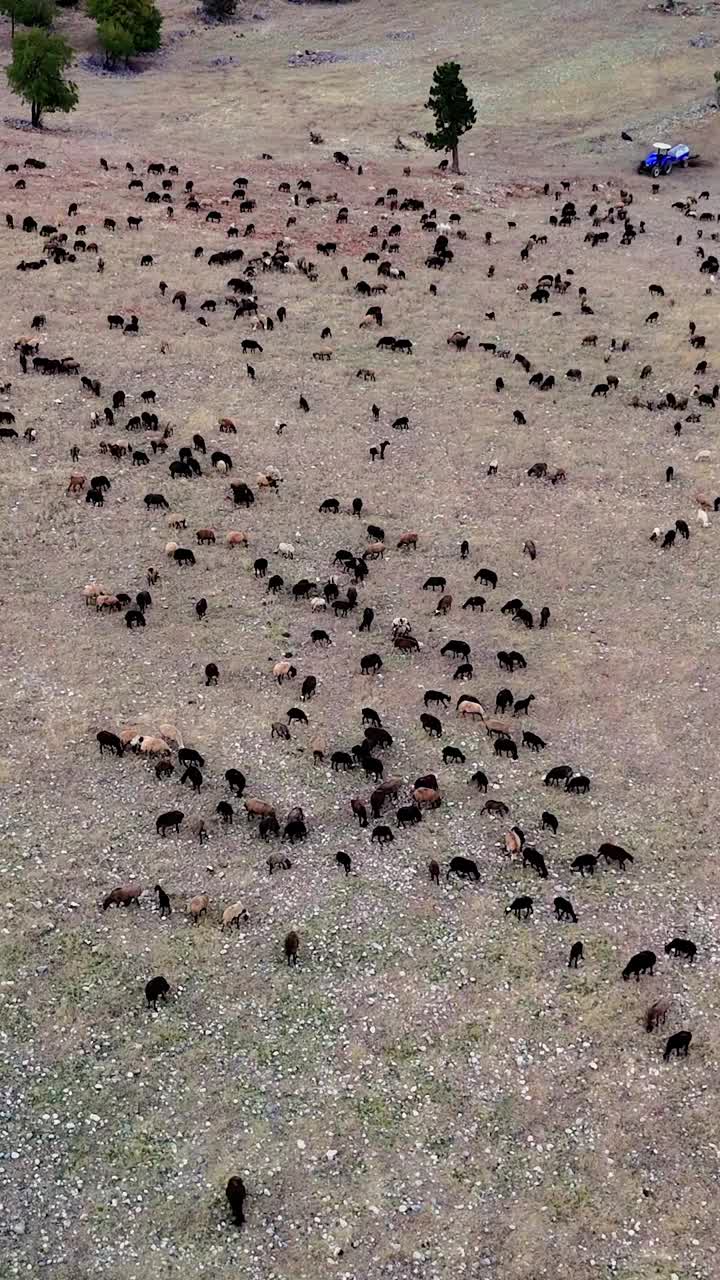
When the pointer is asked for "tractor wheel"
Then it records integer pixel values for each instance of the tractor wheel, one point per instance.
(656, 171)
(684, 164)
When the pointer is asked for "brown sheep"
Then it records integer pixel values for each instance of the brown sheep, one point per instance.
(198, 906)
(513, 844)
(497, 726)
(76, 483)
(318, 747)
(657, 1013)
(374, 551)
(407, 540)
(258, 809)
(204, 535)
(427, 796)
(122, 896)
(227, 426)
(107, 602)
(236, 539)
(234, 915)
(444, 605)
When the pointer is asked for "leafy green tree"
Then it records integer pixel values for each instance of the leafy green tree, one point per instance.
(36, 73)
(117, 43)
(36, 13)
(453, 109)
(219, 10)
(11, 9)
(139, 21)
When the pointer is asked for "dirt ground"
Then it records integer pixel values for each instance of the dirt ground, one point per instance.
(432, 1092)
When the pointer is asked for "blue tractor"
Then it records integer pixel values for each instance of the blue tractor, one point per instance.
(662, 158)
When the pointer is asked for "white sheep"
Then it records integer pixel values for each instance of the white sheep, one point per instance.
(285, 549)
(318, 604)
(702, 518)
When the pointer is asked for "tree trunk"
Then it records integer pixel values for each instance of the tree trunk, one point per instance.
(455, 166)
(12, 24)
(36, 115)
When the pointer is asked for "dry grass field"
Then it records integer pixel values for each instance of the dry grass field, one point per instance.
(432, 1093)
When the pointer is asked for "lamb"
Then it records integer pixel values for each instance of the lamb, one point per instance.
(123, 896)
(657, 1013)
(163, 901)
(198, 906)
(234, 915)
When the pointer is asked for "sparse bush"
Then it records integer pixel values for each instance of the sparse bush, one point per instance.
(219, 10)
(36, 13)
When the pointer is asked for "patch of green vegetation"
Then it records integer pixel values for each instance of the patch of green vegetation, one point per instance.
(381, 1116)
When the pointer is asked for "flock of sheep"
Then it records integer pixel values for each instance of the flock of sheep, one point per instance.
(346, 588)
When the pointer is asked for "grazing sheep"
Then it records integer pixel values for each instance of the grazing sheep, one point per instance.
(576, 955)
(109, 742)
(278, 862)
(123, 896)
(284, 671)
(520, 907)
(615, 854)
(236, 539)
(657, 1013)
(156, 989)
(285, 549)
(681, 947)
(642, 962)
(170, 821)
(258, 809)
(344, 860)
(291, 946)
(234, 915)
(163, 901)
(564, 910)
(434, 871)
(198, 906)
(463, 868)
(678, 1044)
(236, 1195)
